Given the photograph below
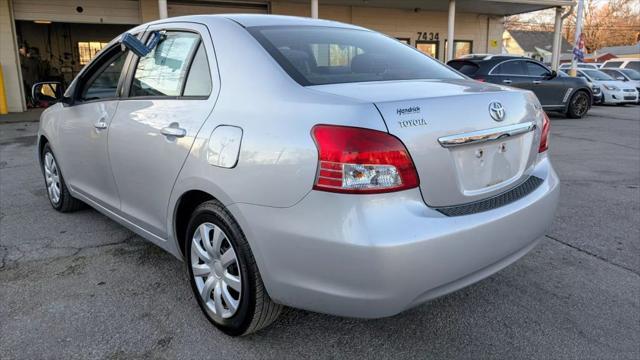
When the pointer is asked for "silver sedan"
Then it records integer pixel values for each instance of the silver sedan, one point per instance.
(298, 162)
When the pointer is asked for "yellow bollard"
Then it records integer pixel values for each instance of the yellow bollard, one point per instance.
(3, 95)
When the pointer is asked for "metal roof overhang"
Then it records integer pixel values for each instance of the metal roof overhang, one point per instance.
(488, 7)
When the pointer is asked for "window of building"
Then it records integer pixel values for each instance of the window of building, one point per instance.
(334, 54)
(428, 48)
(163, 71)
(460, 48)
(88, 49)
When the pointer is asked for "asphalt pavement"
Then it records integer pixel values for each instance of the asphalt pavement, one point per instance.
(81, 286)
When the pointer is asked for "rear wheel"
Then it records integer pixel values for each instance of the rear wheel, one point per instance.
(57, 191)
(578, 105)
(224, 275)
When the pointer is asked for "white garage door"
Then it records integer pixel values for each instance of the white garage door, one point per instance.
(179, 8)
(73, 11)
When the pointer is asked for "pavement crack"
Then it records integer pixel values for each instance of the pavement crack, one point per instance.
(599, 257)
(79, 249)
(595, 141)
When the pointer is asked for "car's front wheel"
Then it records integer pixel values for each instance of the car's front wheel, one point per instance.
(578, 105)
(57, 190)
(223, 273)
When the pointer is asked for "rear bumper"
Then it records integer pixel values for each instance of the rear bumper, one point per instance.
(377, 255)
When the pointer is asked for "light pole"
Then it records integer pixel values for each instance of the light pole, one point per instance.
(577, 50)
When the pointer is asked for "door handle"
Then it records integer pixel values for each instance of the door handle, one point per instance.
(173, 130)
(100, 125)
(536, 82)
(507, 81)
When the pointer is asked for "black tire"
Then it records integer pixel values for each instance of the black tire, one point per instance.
(66, 202)
(256, 310)
(578, 105)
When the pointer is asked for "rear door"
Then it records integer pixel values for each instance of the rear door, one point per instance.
(171, 92)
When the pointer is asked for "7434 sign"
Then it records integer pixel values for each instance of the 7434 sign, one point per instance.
(429, 36)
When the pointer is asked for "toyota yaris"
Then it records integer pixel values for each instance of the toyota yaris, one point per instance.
(304, 163)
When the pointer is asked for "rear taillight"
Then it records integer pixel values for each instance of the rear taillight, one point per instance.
(356, 160)
(544, 137)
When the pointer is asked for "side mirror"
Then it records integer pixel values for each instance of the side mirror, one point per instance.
(552, 75)
(621, 78)
(46, 93)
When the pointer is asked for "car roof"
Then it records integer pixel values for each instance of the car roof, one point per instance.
(254, 20)
(490, 57)
(251, 20)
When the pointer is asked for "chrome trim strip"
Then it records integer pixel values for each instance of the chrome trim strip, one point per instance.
(476, 137)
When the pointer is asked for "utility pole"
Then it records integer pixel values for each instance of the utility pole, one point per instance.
(579, 40)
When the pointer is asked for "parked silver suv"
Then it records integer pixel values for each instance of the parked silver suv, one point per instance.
(300, 162)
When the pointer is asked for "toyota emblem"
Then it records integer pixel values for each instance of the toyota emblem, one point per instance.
(496, 110)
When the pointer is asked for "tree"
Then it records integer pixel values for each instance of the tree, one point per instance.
(605, 23)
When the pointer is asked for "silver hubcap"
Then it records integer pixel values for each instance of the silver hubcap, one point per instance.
(216, 270)
(52, 177)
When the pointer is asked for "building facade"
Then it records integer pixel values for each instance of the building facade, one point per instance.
(52, 40)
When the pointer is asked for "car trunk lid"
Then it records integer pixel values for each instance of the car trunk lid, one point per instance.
(462, 154)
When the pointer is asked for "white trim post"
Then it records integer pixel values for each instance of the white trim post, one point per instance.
(314, 9)
(450, 30)
(162, 9)
(557, 40)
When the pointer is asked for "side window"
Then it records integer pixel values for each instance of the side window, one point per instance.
(613, 64)
(509, 68)
(534, 69)
(635, 65)
(199, 78)
(103, 84)
(163, 71)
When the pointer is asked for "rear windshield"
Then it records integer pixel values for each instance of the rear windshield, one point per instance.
(466, 67)
(325, 55)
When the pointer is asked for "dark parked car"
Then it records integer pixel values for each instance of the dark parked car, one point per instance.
(569, 95)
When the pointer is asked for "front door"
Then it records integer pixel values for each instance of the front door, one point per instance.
(171, 92)
(510, 73)
(549, 90)
(86, 128)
